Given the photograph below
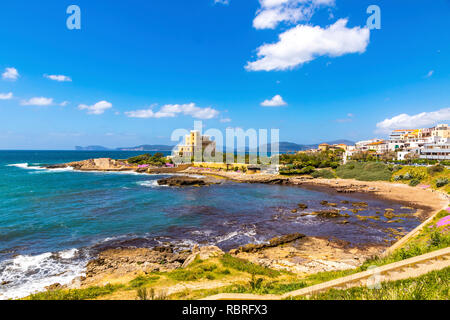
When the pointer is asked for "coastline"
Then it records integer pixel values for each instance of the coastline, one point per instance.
(313, 254)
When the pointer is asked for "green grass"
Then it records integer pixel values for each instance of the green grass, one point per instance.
(245, 266)
(431, 286)
(324, 173)
(143, 281)
(365, 171)
(197, 271)
(75, 294)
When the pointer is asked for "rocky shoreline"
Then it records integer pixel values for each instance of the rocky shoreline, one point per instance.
(296, 253)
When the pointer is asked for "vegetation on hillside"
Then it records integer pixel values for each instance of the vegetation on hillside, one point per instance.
(365, 171)
(306, 163)
(158, 159)
(431, 286)
(436, 177)
(246, 277)
(324, 174)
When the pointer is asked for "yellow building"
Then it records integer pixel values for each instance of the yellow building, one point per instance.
(341, 146)
(195, 143)
(441, 131)
(324, 147)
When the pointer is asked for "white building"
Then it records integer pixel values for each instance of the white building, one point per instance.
(438, 149)
(365, 145)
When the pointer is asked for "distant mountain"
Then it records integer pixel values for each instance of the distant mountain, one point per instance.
(92, 148)
(283, 147)
(342, 141)
(290, 147)
(294, 147)
(147, 147)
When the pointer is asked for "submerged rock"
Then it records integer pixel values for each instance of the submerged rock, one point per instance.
(335, 213)
(360, 204)
(56, 166)
(302, 206)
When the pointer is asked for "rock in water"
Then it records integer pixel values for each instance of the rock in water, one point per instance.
(302, 206)
(275, 242)
(182, 181)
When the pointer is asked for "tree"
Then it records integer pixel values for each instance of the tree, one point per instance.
(388, 156)
(411, 156)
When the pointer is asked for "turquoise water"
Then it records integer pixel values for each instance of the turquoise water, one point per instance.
(53, 221)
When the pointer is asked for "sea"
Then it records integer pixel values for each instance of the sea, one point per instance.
(52, 222)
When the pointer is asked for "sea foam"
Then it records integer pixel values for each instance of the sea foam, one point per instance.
(27, 274)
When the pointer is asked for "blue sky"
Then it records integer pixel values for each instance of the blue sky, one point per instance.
(137, 70)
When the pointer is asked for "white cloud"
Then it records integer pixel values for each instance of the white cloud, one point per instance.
(304, 43)
(429, 74)
(224, 2)
(59, 78)
(172, 110)
(405, 121)
(98, 108)
(64, 103)
(10, 74)
(225, 120)
(276, 101)
(38, 101)
(6, 96)
(272, 12)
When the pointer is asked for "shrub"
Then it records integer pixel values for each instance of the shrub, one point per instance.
(290, 170)
(231, 262)
(307, 170)
(255, 283)
(156, 159)
(371, 171)
(435, 169)
(441, 182)
(325, 173)
(142, 280)
(414, 182)
(150, 294)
